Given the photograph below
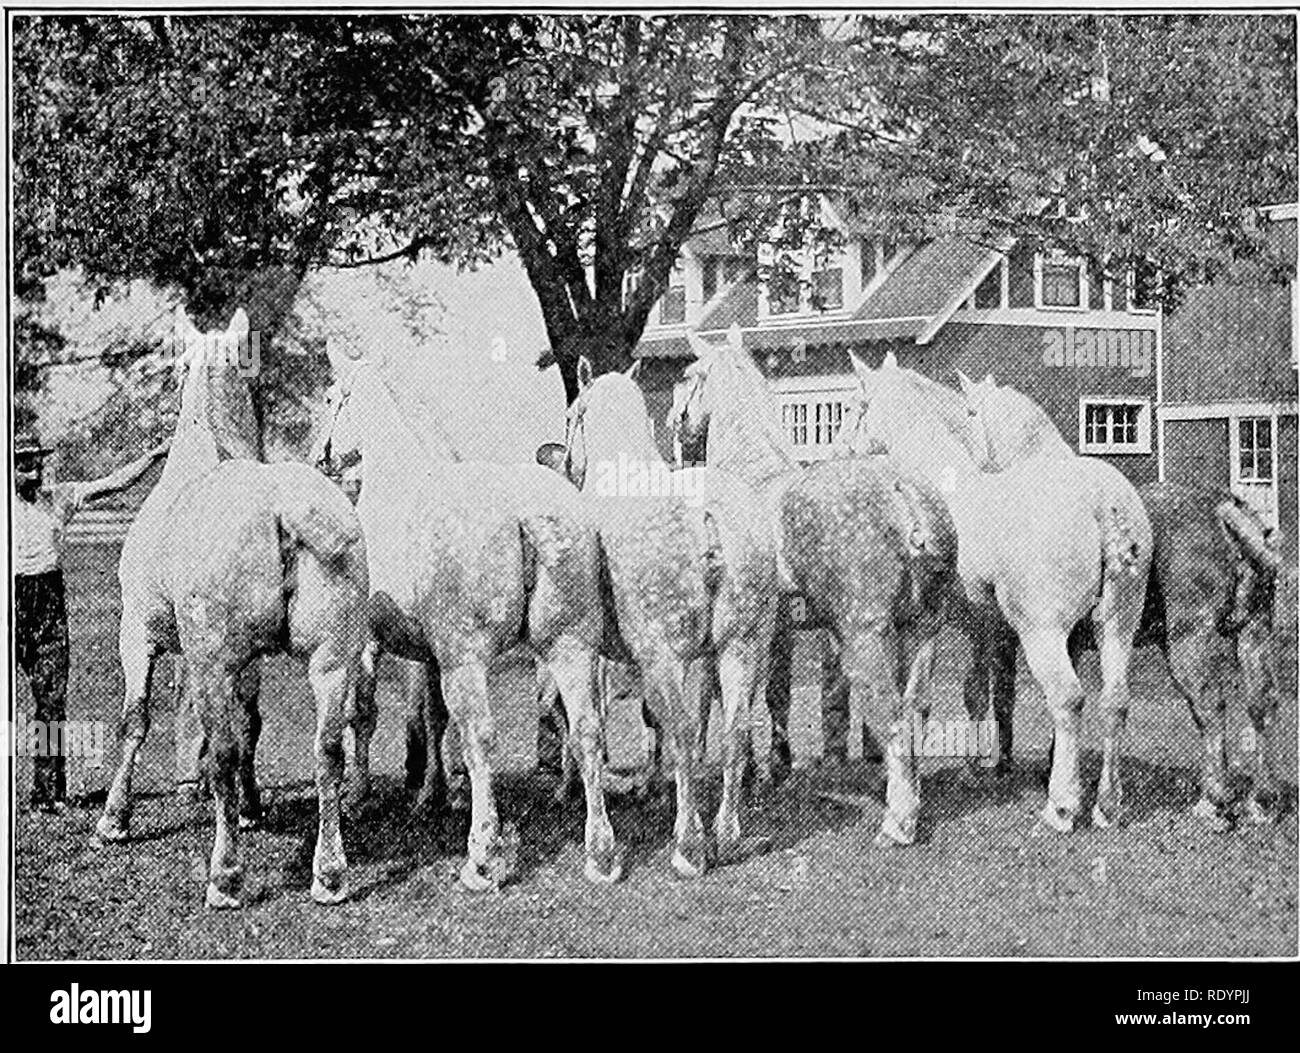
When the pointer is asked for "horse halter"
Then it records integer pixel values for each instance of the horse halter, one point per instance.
(325, 464)
(575, 425)
(693, 383)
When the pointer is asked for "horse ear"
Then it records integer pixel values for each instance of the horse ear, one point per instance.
(634, 370)
(699, 348)
(989, 381)
(860, 369)
(584, 373)
(238, 323)
(890, 361)
(735, 340)
(967, 385)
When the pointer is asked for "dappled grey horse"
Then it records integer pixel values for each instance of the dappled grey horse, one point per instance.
(870, 547)
(468, 560)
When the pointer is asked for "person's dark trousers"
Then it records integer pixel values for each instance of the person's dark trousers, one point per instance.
(41, 631)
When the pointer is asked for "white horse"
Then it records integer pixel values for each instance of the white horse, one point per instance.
(244, 560)
(1050, 545)
(468, 560)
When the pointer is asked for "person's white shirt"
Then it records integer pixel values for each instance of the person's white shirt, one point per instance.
(40, 527)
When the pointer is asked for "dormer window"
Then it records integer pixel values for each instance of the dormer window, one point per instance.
(783, 294)
(827, 293)
(1060, 282)
(1143, 288)
(672, 306)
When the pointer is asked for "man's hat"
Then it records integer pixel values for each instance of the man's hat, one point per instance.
(28, 444)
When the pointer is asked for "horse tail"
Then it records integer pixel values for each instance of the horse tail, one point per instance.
(1121, 552)
(1257, 564)
(312, 511)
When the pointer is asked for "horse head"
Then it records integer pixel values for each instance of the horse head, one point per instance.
(599, 419)
(1007, 426)
(866, 429)
(690, 413)
(216, 405)
(337, 445)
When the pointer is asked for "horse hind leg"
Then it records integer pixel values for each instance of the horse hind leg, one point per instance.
(363, 717)
(1114, 648)
(1197, 674)
(466, 691)
(674, 689)
(247, 689)
(573, 666)
(137, 656)
(740, 672)
(331, 677)
(1049, 661)
(214, 689)
(1259, 676)
(872, 675)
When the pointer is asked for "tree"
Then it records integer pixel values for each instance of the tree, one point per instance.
(195, 150)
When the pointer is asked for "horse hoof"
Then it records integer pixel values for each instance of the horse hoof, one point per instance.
(110, 831)
(1102, 821)
(742, 848)
(894, 833)
(685, 868)
(475, 877)
(604, 868)
(219, 900)
(1212, 815)
(1261, 813)
(328, 896)
(1056, 818)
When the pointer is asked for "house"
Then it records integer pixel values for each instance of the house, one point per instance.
(1228, 415)
(1092, 349)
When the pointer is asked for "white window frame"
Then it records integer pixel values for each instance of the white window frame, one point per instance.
(1130, 288)
(1059, 259)
(1139, 448)
(1240, 484)
(810, 392)
(841, 261)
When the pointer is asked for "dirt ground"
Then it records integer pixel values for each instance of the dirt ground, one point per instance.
(983, 879)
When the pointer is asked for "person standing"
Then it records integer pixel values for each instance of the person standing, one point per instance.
(41, 514)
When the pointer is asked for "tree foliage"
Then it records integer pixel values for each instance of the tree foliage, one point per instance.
(196, 150)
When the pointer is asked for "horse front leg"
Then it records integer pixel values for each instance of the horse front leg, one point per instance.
(1197, 669)
(138, 656)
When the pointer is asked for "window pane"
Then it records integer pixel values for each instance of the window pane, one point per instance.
(828, 289)
(711, 267)
(672, 308)
(1060, 285)
(783, 295)
(989, 292)
(868, 250)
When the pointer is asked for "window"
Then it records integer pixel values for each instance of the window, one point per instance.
(1143, 287)
(1255, 450)
(783, 294)
(672, 306)
(828, 289)
(867, 254)
(712, 267)
(1114, 425)
(988, 294)
(811, 421)
(1060, 282)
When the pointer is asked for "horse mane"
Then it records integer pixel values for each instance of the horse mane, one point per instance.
(743, 434)
(231, 415)
(1023, 425)
(929, 400)
(625, 402)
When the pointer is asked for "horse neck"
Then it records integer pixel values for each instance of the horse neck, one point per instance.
(388, 441)
(612, 435)
(743, 437)
(1030, 435)
(923, 436)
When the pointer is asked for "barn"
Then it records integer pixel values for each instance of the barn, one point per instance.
(1206, 394)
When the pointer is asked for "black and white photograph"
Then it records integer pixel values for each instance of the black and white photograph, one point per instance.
(590, 484)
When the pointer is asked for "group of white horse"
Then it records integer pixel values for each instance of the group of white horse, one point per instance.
(943, 505)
